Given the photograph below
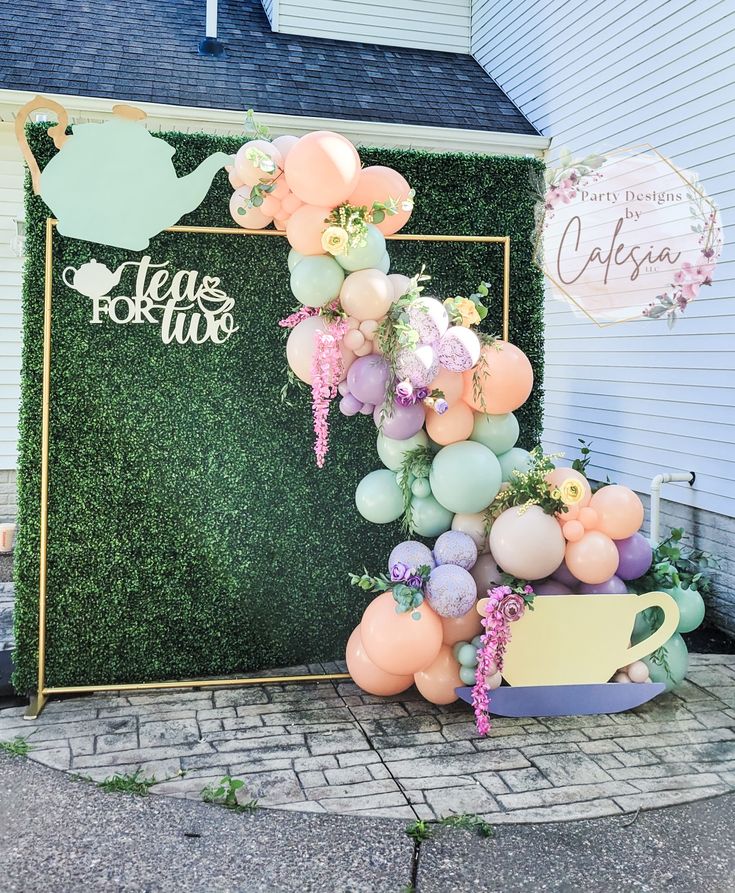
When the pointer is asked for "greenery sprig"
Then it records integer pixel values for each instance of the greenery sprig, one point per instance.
(407, 592)
(527, 488)
(677, 564)
(416, 464)
(458, 307)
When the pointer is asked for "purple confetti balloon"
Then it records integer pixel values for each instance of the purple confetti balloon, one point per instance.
(613, 586)
(565, 576)
(412, 554)
(636, 556)
(418, 364)
(404, 422)
(368, 378)
(455, 547)
(459, 349)
(428, 316)
(451, 591)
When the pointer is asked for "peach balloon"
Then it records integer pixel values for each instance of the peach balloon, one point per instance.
(451, 384)
(619, 510)
(235, 181)
(588, 518)
(573, 531)
(527, 544)
(368, 328)
(506, 382)
(284, 144)
(461, 629)
(305, 227)
(280, 189)
(365, 294)
(378, 184)
(290, 203)
(300, 348)
(437, 683)
(248, 172)
(593, 559)
(323, 168)
(369, 677)
(280, 224)
(396, 642)
(354, 339)
(557, 477)
(571, 514)
(271, 206)
(249, 218)
(400, 283)
(451, 426)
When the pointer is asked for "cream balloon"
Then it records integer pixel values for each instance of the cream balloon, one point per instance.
(400, 283)
(251, 173)
(366, 294)
(473, 524)
(300, 348)
(527, 543)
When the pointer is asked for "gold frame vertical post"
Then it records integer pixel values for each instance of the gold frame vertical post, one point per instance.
(42, 691)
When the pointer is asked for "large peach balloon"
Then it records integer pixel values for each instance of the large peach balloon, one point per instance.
(557, 477)
(305, 227)
(451, 384)
(462, 629)
(323, 168)
(619, 511)
(366, 294)
(300, 348)
(249, 218)
(505, 379)
(451, 426)
(248, 172)
(527, 543)
(369, 677)
(396, 642)
(437, 683)
(593, 559)
(378, 184)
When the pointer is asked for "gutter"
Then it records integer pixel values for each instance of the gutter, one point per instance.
(227, 121)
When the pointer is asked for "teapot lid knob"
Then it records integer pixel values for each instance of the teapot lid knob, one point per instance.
(128, 111)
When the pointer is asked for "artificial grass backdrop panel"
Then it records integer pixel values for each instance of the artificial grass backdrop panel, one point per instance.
(190, 532)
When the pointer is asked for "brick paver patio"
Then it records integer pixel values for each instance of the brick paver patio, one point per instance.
(328, 747)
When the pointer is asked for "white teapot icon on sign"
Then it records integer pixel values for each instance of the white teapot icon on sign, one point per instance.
(93, 280)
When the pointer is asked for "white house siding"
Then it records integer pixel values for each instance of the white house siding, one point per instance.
(600, 76)
(268, 7)
(423, 24)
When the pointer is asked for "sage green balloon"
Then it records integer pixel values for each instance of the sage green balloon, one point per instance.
(293, 258)
(514, 459)
(676, 658)
(384, 264)
(317, 280)
(467, 675)
(378, 497)
(428, 517)
(465, 477)
(366, 257)
(391, 451)
(691, 608)
(498, 433)
(421, 487)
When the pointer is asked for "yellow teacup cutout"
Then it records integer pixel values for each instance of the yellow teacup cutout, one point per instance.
(582, 639)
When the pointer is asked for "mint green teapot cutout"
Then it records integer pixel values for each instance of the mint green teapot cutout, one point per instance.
(113, 183)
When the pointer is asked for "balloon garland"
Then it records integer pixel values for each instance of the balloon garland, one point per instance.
(508, 524)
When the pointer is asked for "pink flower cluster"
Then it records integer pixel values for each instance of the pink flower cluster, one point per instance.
(326, 371)
(691, 277)
(290, 322)
(563, 192)
(503, 607)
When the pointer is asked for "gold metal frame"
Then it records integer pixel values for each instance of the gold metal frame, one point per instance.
(42, 690)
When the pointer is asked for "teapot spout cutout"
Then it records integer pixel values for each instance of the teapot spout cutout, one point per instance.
(114, 182)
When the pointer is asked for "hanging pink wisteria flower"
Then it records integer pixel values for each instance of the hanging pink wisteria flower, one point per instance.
(326, 371)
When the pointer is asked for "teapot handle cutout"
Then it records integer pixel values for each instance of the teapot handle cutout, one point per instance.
(128, 111)
(57, 133)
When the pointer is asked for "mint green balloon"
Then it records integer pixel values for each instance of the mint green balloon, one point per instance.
(467, 675)
(421, 487)
(293, 258)
(691, 608)
(642, 628)
(317, 280)
(378, 497)
(457, 648)
(515, 459)
(677, 659)
(366, 257)
(498, 433)
(465, 477)
(384, 264)
(391, 451)
(467, 656)
(428, 517)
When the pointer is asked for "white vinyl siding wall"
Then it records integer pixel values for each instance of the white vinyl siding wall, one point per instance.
(11, 205)
(422, 24)
(598, 77)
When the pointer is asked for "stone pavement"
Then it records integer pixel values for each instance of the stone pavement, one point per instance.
(328, 748)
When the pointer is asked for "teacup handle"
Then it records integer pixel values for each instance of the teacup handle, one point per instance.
(663, 633)
(63, 276)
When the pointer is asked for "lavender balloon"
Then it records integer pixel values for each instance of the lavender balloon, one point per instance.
(412, 554)
(551, 587)
(350, 405)
(636, 556)
(565, 576)
(404, 421)
(455, 547)
(613, 586)
(451, 591)
(368, 377)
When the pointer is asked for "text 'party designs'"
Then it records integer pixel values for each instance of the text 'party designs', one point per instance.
(189, 309)
(626, 236)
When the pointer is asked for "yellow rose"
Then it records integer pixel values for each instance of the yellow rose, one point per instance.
(556, 493)
(335, 239)
(468, 312)
(572, 492)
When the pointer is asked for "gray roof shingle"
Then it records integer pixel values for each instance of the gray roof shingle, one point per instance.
(147, 51)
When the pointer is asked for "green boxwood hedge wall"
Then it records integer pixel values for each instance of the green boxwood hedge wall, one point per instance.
(190, 533)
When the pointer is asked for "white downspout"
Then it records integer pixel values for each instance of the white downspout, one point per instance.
(668, 477)
(211, 45)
